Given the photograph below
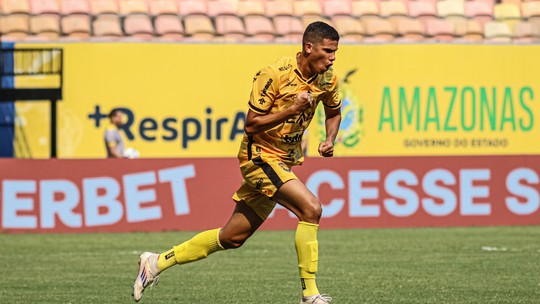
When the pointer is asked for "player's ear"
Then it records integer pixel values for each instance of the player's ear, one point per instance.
(308, 47)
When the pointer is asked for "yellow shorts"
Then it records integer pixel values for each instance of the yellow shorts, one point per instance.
(261, 181)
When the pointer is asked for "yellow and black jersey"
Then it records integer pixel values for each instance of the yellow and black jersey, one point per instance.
(274, 89)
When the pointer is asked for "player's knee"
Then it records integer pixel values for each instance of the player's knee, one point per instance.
(312, 213)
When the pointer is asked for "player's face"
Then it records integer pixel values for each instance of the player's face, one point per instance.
(323, 55)
(118, 119)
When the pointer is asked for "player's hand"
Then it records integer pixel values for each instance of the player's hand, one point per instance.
(326, 149)
(302, 102)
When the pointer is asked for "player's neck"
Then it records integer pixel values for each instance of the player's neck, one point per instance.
(303, 66)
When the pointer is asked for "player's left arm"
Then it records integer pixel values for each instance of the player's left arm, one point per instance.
(332, 111)
(333, 119)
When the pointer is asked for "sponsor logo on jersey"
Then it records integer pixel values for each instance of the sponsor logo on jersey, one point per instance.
(284, 68)
(301, 118)
(266, 87)
(293, 137)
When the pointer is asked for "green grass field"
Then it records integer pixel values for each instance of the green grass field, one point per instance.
(434, 265)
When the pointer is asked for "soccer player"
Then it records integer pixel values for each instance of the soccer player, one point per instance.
(283, 100)
(113, 139)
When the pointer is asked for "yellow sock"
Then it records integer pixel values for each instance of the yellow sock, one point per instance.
(198, 248)
(307, 249)
(166, 260)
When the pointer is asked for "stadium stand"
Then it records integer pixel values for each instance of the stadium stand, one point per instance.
(15, 27)
(197, 23)
(107, 27)
(422, 10)
(379, 30)
(38, 7)
(531, 12)
(332, 8)
(101, 7)
(365, 10)
(76, 27)
(524, 33)
(450, 8)
(259, 29)
(495, 31)
(393, 11)
(46, 27)
(163, 7)
(76, 19)
(508, 13)
(258, 26)
(411, 30)
(440, 30)
(288, 27)
(130, 7)
(268, 21)
(169, 28)
(350, 29)
(10, 7)
(167, 23)
(471, 32)
(249, 8)
(479, 10)
(199, 28)
(74, 7)
(227, 22)
(453, 11)
(139, 26)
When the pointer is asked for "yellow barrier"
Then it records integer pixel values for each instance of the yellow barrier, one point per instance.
(190, 100)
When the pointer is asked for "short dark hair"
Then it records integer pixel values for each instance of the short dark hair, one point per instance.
(113, 112)
(317, 31)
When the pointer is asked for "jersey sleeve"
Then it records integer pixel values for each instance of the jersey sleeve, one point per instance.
(264, 91)
(333, 98)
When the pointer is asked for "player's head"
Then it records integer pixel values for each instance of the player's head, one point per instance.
(116, 117)
(319, 46)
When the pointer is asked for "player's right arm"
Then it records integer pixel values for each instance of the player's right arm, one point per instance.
(113, 152)
(256, 122)
(263, 95)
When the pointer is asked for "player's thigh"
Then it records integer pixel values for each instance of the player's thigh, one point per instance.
(296, 197)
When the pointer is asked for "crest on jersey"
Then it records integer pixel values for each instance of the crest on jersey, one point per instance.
(326, 80)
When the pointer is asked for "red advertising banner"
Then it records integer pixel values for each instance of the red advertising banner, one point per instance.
(192, 194)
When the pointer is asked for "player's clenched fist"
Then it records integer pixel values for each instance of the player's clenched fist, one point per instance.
(302, 102)
(326, 149)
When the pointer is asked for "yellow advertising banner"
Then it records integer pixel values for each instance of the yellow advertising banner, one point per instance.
(190, 100)
(440, 100)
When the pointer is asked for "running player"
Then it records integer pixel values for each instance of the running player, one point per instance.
(282, 103)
